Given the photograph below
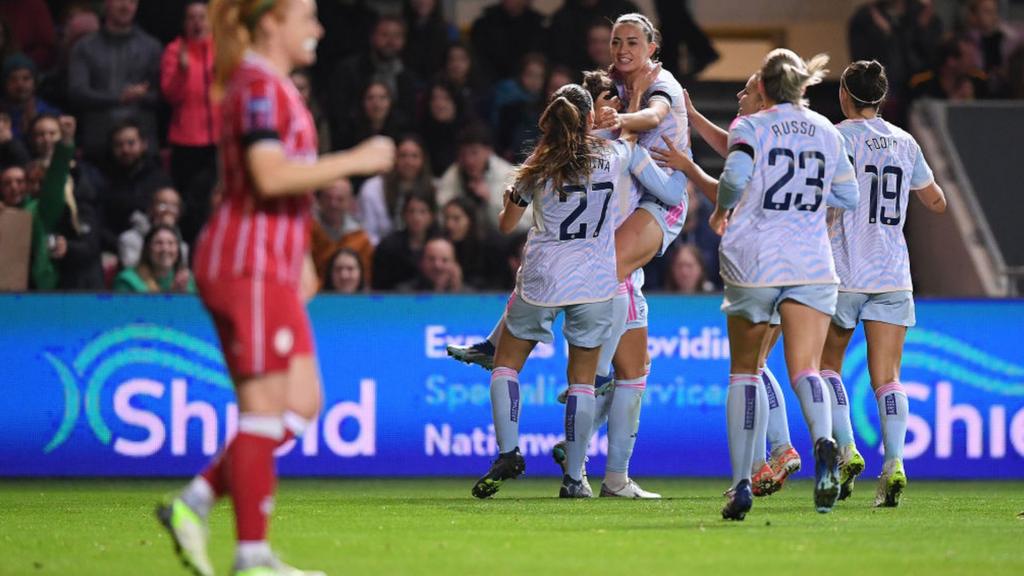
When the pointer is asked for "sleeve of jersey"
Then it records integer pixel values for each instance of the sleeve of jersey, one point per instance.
(845, 188)
(669, 190)
(922, 176)
(739, 164)
(263, 113)
(661, 90)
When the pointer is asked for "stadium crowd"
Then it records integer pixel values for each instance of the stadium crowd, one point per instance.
(108, 129)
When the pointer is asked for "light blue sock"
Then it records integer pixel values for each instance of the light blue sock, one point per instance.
(760, 442)
(893, 409)
(505, 406)
(778, 423)
(815, 403)
(579, 425)
(624, 422)
(741, 415)
(842, 428)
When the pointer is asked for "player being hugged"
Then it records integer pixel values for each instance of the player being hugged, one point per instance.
(783, 164)
(253, 268)
(874, 271)
(573, 180)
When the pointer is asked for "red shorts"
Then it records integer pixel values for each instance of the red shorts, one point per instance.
(261, 325)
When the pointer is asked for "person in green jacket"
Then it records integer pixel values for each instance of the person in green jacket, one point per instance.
(161, 268)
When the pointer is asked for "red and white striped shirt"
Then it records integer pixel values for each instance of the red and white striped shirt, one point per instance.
(248, 237)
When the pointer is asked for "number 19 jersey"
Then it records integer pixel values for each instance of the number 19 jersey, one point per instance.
(569, 257)
(777, 234)
(870, 251)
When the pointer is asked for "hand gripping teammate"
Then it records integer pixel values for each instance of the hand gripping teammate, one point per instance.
(783, 162)
(254, 272)
(569, 265)
(874, 271)
(767, 477)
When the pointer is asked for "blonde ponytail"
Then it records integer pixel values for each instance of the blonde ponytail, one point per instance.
(786, 76)
(233, 24)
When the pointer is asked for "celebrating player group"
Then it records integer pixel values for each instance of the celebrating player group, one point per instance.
(811, 216)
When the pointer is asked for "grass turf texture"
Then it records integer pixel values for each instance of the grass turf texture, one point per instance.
(434, 527)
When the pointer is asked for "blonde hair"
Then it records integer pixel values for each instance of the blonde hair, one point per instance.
(566, 150)
(233, 24)
(786, 76)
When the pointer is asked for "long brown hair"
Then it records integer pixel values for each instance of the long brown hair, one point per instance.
(566, 149)
(233, 24)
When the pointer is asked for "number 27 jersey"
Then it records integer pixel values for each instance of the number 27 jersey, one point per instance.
(870, 251)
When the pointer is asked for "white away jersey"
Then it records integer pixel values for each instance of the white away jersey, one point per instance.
(868, 244)
(569, 256)
(777, 234)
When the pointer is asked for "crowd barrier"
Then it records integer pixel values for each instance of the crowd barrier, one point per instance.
(105, 385)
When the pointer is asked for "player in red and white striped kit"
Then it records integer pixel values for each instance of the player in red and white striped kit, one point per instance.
(253, 267)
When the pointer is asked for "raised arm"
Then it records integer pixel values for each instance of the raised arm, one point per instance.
(717, 138)
(672, 157)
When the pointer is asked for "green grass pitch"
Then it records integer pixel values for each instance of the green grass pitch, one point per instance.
(433, 526)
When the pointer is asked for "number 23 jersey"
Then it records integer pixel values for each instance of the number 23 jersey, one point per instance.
(777, 235)
(868, 245)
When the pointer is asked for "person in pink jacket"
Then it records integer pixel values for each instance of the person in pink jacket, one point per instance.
(186, 76)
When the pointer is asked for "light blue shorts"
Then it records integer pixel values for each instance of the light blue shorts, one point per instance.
(889, 307)
(585, 326)
(636, 314)
(670, 218)
(760, 304)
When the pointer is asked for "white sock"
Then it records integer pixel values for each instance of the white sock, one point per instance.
(741, 418)
(623, 423)
(579, 425)
(495, 334)
(760, 439)
(198, 495)
(602, 405)
(505, 407)
(893, 408)
(778, 423)
(842, 428)
(249, 554)
(815, 403)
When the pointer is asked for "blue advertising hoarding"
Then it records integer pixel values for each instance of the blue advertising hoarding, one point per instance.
(135, 386)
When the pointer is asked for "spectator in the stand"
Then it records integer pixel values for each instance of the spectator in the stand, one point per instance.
(427, 34)
(479, 175)
(382, 63)
(12, 151)
(570, 24)
(686, 272)
(20, 100)
(79, 227)
(32, 27)
(438, 270)
(901, 34)
(166, 209)
(505, 33)
(186, 77)
(517, 121)
(375, 115)
(304, 84)
(345, 273)
(527, 86)
(132, 177)
(347, 28)
(445, 117)
(381, 197)
(475, 246)
(459, 72)
(993, 39)
(113, 75)
(599, 40)
(161, 268)
(396, 260)
(678, 26)
(334, 227)
(954, 76)
(13, 186)
(79, 21)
